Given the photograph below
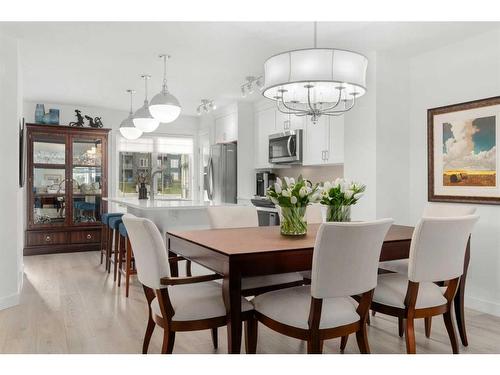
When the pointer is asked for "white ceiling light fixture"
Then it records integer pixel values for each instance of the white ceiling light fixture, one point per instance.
(206, 106)
(315, 81)
(143, 119)
(127, 128)
(251, 82)
(164, 106)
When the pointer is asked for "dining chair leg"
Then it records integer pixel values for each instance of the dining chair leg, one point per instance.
(401, 327)
(448, 322)
(109, 246)
(147, 336)
(103, 242)
(168, 341)
(428, 324)
(215, 338)
(343, 343)
(368, 321)
(188, 268)
(314, 346)
(362, 340)
(251, 327)
(151, 324)
(410, 336)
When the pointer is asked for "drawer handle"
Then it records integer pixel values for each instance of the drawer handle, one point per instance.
(48, 238)
(89, 236)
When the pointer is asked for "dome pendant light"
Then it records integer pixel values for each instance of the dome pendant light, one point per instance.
(142, 117)
(127, 127)
(164, 106)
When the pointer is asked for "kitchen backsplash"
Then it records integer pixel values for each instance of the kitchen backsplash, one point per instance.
(314, 174)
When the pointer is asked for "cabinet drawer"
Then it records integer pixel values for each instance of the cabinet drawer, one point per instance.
(86, 236)
(46, 238)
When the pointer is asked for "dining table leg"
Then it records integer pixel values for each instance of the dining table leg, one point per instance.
(231, 290)
(459, 299)
(174, 267)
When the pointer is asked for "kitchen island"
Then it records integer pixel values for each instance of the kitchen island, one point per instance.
(168, 214)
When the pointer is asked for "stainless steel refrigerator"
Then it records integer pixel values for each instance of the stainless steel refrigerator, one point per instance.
(220, 173)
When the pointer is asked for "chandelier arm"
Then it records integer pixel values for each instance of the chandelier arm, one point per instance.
(291, 111)
(294, 110)
(309, 99)
(336, 104)
(334, 113)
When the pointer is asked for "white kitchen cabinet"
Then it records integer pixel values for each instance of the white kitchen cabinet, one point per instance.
(324, 141)
(265, 124)
(286, 122)
(226, 128)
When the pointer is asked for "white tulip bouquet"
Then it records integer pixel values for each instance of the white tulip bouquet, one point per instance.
(339, 196)
(293, 198)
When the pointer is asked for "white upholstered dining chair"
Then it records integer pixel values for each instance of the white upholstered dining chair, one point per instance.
(174, 303)
(246, 217)
(431, 210)
(345, 262)
(401, 265)
(437, 254)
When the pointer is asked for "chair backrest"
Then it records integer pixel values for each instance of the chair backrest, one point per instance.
(346, 257)
(314, 214)
(233, 217)
(446, 210)
(149, 249)
(438, 246)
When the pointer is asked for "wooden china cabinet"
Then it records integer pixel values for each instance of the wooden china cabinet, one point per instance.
(66, 180)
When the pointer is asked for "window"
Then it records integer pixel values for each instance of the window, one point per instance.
(143, 156)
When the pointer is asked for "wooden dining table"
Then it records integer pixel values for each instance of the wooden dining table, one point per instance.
(245, 252)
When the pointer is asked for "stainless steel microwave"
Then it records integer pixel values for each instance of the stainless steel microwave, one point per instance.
(286, 147)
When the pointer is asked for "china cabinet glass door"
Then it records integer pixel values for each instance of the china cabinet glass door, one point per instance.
(86, 179)
(49, 180)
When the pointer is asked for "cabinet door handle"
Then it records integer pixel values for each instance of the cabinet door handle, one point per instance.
(89, 236)
(327, 155)
(323, 155)
(47, 238)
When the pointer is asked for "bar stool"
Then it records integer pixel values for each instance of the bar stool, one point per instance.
(125, 250)
(106, 233)
(113, 224)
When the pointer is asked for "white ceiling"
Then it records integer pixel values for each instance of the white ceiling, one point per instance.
(92, 64)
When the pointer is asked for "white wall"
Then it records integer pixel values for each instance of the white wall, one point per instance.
(360, 146)
(11, 230)
(392, 138)
(460, 72)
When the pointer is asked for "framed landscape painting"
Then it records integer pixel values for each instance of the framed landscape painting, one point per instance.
(462, 159)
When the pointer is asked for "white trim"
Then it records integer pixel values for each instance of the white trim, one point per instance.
(478, 304)
(9, 301)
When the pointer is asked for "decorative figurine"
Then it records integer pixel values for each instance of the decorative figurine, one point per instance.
(143, 191)
(79, 116)
(98, 122)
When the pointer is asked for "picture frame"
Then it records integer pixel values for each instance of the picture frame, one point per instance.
(462, 162)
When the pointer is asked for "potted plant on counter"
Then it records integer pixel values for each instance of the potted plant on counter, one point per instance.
(292, 198)
(339, 196)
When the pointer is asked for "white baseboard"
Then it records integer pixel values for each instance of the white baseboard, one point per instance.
(488, 307)
(9, 301)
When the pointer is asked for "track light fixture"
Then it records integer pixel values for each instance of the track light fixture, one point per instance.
(206, 106)
(251, 82)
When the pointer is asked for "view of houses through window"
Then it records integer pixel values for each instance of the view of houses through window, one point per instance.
(143, 156)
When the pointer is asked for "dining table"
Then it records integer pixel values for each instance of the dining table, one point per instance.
(244, 252)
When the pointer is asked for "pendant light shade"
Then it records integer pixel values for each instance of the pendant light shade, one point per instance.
(143, 120)
(165, 107)
(127, 127)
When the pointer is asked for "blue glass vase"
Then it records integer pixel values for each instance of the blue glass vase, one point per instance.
(39, 113)
(54, 116)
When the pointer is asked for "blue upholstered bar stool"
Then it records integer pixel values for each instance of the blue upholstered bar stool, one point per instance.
(126, 263)
(106, 234)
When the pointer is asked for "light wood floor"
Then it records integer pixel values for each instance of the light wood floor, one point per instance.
(70, 305)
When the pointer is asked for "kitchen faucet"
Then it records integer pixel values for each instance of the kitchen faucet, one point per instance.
(153, 185)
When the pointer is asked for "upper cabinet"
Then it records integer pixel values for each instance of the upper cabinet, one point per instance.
(226, 128)
(324, 141)
(286, 122)
(265, 124)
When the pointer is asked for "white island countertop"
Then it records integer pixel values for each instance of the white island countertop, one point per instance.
(162, 203)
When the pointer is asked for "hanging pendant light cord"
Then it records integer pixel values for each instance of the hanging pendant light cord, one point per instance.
(315, 34)
(131, 93)
(165, 57)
